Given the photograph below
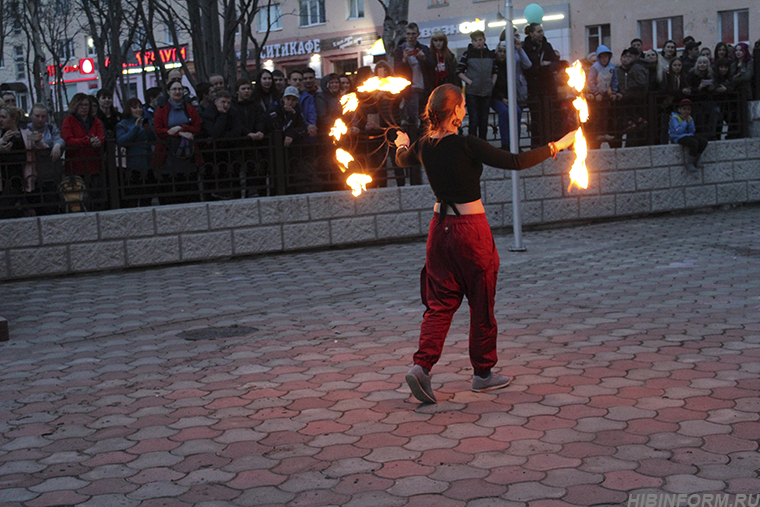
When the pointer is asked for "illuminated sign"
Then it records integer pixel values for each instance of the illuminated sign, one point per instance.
(86, 66)
(290, 49)
(471, 26)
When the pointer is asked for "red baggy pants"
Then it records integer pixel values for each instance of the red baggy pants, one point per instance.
(461, 261)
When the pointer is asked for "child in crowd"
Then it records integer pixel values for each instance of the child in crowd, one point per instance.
(602, 86)
(476, 69)
(683, 132)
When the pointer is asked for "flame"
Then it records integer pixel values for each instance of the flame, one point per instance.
(344, 158)
(577, 78)
(579, 173)
(338, 129)
(385, 84)
(358, 182)
(349, 102)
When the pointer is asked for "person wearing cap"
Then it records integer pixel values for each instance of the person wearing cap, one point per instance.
(285, 114)
(683, 132)
(690, 55)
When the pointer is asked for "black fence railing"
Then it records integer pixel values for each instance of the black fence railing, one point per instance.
(624, 123)
(123, 176)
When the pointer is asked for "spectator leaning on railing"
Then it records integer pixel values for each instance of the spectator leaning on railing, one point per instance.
(135, 131)
(47, 160)
(84, 136)
(17, 170)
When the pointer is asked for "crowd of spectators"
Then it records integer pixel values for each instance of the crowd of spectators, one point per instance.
(175, 140)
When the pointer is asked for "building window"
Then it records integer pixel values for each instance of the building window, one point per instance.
(15, 15)
(597, 35)
(438, 3)
(168, 36)
(654, 32)
(312, 12)
(18, 57)
(90, 45)
(734, 26)
(270, 18)
(355, 9)
(66, 50)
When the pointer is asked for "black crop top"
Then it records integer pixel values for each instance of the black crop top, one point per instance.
(454, 164)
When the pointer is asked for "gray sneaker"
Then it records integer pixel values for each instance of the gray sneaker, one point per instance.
(489, 383)
(419, 383)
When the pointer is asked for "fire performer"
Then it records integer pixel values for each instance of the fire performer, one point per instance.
(461, 258)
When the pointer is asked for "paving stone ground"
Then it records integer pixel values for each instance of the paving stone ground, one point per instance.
(634, 347)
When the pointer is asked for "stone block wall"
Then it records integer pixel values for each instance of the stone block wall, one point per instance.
(623, 182)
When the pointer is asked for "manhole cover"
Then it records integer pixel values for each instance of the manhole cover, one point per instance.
(214, 333)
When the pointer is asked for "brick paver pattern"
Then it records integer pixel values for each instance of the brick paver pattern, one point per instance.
(634, 347)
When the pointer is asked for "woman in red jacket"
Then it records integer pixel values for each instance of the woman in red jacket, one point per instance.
(176, 158)
(84, 136)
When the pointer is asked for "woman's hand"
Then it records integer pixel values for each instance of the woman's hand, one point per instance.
(401, 139)
(8, 136)
(174, 130)
(187, 135)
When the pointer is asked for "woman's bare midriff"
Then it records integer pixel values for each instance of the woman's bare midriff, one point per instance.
(464, 208)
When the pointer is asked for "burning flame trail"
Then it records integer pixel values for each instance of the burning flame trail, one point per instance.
(350, 102)
(338, 129)
(579, 173)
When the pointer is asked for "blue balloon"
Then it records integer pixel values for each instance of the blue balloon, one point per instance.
(533, 13)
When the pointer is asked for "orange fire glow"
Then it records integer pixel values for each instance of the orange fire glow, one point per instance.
(338, 129)
(358, 182)
(349, 102)
(344, 158)
(579, 173)
(385, 84)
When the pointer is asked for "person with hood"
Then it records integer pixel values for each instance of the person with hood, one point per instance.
(478, 72)
(328, 103)
(602, 89)
(285, 114)
(329, 109)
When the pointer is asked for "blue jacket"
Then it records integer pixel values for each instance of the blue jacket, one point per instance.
(138, 157)
(308, 107)
(680, 128)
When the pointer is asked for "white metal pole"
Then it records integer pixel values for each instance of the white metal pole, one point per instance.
(514, 133)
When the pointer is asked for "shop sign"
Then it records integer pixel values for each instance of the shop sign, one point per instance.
(349, 41)
(291, 49)
(465, 27)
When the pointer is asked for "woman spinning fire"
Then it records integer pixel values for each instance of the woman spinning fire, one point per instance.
(461, 257)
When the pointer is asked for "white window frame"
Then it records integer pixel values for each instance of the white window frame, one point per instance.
(89, 45)
(438, 3)
(355, 9)
(315, 13)
(599, 29)
(270, 17)
(654, 22)
(735, 14)
(68, 50)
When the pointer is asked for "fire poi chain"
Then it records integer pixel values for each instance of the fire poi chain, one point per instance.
(358, 181)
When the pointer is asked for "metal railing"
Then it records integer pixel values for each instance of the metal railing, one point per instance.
(127, 175)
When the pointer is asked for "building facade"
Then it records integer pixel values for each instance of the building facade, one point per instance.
(342, 35)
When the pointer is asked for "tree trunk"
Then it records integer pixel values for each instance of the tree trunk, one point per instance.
(394, 24)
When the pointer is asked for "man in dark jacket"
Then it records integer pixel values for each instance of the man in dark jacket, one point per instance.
(476, 69)
(411, 61)
(633, 85)
(252, 115)
(220, 124)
